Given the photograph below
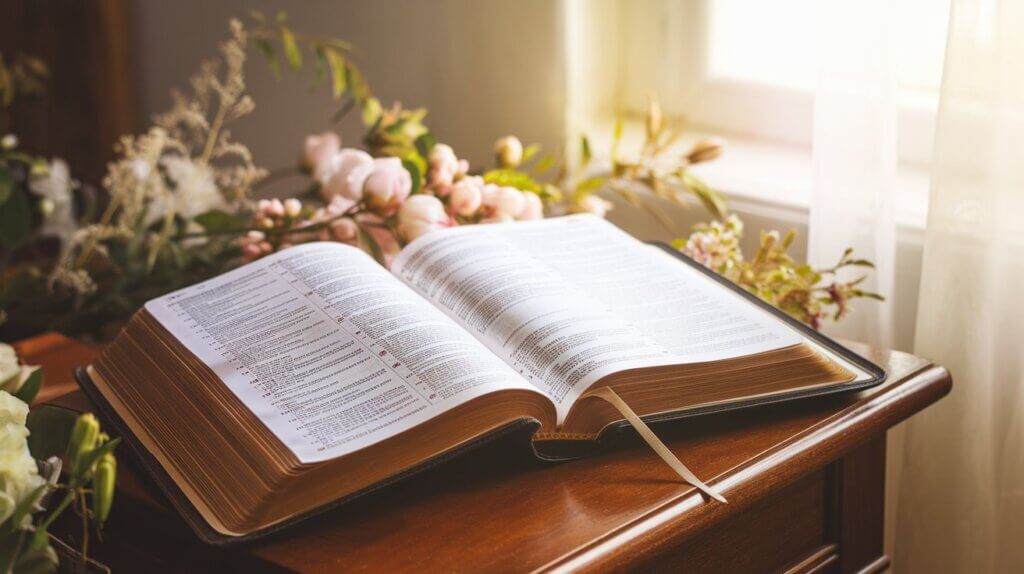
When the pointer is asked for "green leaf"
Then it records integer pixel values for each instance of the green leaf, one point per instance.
(414, 172)
(424, 144)
(512, 178)
(217, 221)
(372, 113)
(37, 561)
(6, 184)
(319, 67)
(585, 153)
(530, 151)
(590, 184)
(711, 200)
(30, 388)
(49, 427)
(545, 163)
(268, 52)
(339, 76)
(15, 220)
(291, 49)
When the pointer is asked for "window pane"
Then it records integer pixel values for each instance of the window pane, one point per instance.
(774, 42)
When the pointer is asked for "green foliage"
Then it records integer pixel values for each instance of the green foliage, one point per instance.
(30, 388)
(88, 487)
(23, 76)
(49, 427)
(330, 57)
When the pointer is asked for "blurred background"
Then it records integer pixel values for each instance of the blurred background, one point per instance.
(892, 127)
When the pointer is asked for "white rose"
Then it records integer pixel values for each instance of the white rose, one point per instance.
(9, 366)
(195, 190)
(465, 197)
(346, 174)
(19, 475)
(420, 214)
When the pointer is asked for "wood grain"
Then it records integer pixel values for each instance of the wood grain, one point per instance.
(91, 100)
(813, 467)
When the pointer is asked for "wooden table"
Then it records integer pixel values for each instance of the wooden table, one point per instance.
(805, 484)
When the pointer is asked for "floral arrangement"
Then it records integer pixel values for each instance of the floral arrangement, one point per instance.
(30, 470)
(180, 203)
(810, 295)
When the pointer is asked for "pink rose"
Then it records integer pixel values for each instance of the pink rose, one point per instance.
(465, 197)
(444, 165)
(533, 208)
(318, 151)
(421, 214)
(346, 175)
(388, 185)
(502, 203)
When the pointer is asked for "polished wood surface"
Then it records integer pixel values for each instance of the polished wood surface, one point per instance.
(804, 483)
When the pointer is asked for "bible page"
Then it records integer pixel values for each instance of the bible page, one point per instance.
(557, 336)
(329, 350)
(568, 300)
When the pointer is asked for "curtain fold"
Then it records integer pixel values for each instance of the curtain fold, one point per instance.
(961, 497)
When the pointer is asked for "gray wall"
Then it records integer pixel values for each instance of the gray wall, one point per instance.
(483, 69)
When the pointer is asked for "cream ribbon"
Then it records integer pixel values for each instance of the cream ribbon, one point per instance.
(654, 442)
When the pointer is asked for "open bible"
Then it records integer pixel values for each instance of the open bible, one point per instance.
(315, 374)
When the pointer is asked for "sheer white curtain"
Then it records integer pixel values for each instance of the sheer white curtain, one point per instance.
(854, 153)
(961, 501)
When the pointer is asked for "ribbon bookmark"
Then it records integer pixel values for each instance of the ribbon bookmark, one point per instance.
(654, 442)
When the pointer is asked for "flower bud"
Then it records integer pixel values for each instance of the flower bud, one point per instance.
(84, 437)
(503, 202)
(292, 207)
(318, 151)
(508, 151)
(344, 230)
(465, 197)
(346, 175)
(705, 150)
(533, 207)
(275, 208)
(387, 186)
(47, 206)
(421, 214)
(103, 480)
(654, 119)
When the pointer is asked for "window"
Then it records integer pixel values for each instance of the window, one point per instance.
(747, 68)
